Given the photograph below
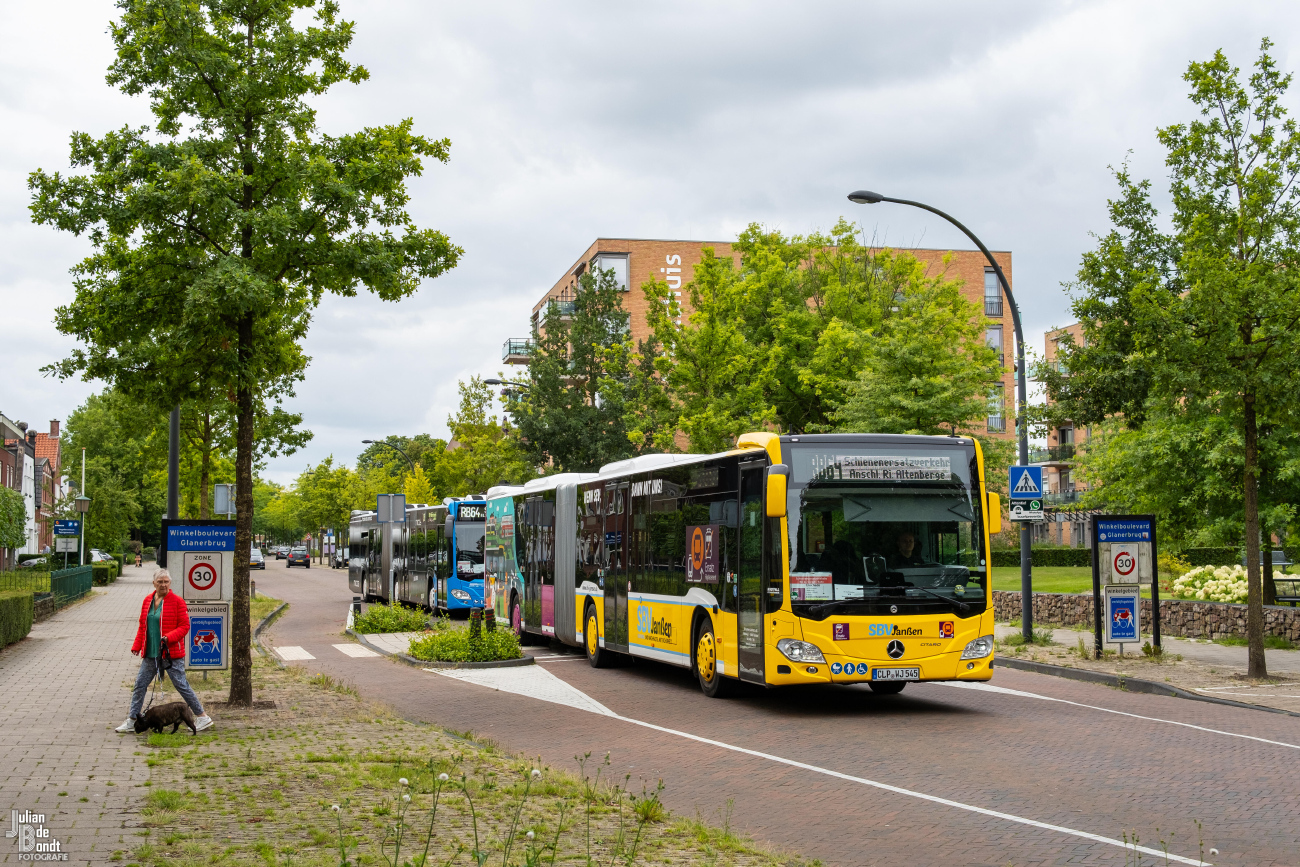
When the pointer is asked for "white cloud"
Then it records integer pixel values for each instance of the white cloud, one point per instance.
(576, 120)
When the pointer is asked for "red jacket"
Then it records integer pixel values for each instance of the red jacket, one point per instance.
(174, 623)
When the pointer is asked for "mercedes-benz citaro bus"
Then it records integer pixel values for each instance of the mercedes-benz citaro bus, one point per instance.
(434, 559)
(829, 558)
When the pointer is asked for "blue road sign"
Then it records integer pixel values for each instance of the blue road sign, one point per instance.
(68, 527)
(1124, 530)
(1026, 483)
(1122, 614)
(209, 632)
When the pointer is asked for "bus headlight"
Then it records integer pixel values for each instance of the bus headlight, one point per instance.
(799, 651)
(460, 595)
(979, 648)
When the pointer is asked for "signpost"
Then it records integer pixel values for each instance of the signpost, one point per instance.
(1026, 488)
(1123, 561)
(66, 533)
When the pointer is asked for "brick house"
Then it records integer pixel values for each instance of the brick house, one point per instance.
(48, 487)
(636, 260)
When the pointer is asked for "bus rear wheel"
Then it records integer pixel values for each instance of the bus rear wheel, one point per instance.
(598, 656)
(517, 623)
(887, 687)
(712, 683)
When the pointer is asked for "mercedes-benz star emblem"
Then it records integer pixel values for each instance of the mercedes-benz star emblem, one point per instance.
(895, 649)
(893, 609)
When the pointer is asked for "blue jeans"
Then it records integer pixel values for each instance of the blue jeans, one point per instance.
(148, 671)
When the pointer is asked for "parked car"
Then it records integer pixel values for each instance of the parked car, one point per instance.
(256, 560)
(340, 558)
(34, 562)
(98, 556)
(300, 556)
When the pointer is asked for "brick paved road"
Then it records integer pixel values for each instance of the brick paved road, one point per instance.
(1050, 761)
(64, 688)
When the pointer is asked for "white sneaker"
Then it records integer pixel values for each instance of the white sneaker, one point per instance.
(126, 728)
(203, 722)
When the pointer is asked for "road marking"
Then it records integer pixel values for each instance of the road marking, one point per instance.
(531, 681)
(355, 650)
(289, 654)
(986, 687)
(537, 682)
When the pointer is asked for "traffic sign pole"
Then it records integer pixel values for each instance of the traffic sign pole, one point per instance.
(1026, 483)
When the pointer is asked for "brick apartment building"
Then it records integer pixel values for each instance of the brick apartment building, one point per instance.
(637, 260)
(1065, 523)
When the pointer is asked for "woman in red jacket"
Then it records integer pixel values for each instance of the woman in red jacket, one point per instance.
(164, 626)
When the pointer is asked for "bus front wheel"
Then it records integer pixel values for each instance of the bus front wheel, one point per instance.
(712, 683)
(596, 655)
(887, 687)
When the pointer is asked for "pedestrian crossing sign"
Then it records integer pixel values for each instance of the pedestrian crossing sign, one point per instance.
(1026, 483)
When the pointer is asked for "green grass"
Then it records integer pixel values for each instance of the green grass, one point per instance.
(1048, 579)
(1271, 642)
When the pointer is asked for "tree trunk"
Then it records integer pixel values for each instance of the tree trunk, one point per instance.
(1256, 668)
(241, 642)
(205, 466)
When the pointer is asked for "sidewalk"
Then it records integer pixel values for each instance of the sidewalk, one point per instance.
(1205, 667)
(64, 688)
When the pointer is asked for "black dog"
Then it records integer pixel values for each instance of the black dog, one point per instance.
(163, 715)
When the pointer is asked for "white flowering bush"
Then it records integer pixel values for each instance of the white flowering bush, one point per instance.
(1214, 583)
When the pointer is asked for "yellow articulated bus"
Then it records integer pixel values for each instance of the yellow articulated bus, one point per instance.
(828, 558)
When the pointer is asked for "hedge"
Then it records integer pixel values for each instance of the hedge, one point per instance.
(121, 562)
(15, 616)
(1046, 557)
(105, 573)
(1223, 556)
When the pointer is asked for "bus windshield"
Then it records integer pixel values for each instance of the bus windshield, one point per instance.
(885, 529)
(469, 550)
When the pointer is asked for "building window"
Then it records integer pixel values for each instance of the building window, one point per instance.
(992, 293)
(997, 408)
(616, 262)
(993, 337)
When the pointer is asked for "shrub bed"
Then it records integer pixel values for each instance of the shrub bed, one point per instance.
(105, 573)
(473, 644)
(15, 616)
(1046, 557)
(390, 618)
(1215, 584)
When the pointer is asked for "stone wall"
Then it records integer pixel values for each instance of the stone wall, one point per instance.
(1178, 617)
(42, 607)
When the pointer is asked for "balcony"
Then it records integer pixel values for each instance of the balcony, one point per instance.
(516, 350)
(1062, 498)
(993, 306)
(1052, 455)
(564, 304)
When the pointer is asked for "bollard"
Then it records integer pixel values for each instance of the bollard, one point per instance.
(252, 588)
(490, 620)
(356, 606)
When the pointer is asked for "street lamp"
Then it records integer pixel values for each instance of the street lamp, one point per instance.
(866, 197)
(506, 393)
(83, 506)
(394, 448)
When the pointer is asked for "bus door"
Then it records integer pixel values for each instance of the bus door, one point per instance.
(616, 572)
(749, 573)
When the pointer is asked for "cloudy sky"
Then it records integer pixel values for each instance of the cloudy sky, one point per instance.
(575, 120)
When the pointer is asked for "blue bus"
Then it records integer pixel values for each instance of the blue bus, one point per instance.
(434, 559)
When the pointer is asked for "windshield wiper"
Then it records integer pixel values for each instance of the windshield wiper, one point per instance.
(961, 606)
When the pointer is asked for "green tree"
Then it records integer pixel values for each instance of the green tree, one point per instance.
(483, 451)
(1208, 311)
(928, 369)
(13, 519)
(216, 235)
(571, 415)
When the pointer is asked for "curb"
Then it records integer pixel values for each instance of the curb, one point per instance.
(422, 663)
(1129, 684)
(257, 633)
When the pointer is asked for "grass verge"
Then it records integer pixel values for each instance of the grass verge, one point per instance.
(263, 787)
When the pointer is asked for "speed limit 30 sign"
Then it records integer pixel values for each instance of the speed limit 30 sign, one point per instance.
(1124, 562)
(202, 575)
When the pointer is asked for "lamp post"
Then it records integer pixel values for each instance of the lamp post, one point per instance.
(524, 386)
(866, 197)
(83, 506)
(394, 448)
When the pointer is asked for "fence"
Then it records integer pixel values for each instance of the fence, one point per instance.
(30, 582)
(69, 585)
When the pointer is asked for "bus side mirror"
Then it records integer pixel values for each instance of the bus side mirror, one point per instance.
(777, 476)
(995, 514)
